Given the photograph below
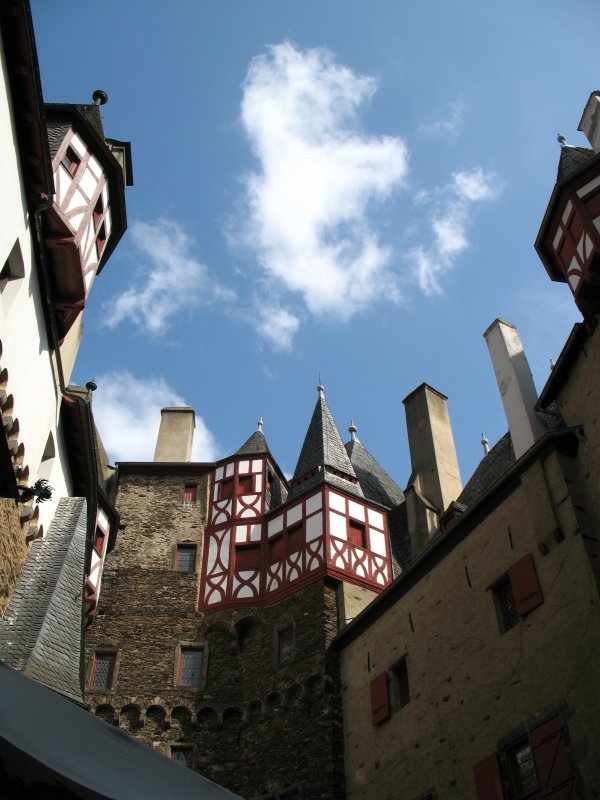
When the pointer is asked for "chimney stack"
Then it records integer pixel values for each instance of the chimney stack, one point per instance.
(433, 459)
(176, 434)
(590, 121)
(515, 383)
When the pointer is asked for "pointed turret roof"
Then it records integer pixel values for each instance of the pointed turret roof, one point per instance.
(374, 480)
(256, 444)
(323, 449)
(571, 159)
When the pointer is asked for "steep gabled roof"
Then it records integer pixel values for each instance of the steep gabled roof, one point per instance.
(323, 448)
(42, 628)
(374, 480)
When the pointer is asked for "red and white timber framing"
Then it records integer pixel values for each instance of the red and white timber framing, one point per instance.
(254, 557)
(80, 223)
(94, 577)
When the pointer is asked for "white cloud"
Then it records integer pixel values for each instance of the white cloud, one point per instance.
(127, 414)
(449, 127)
(169, 281)
(277, 325)
(449, 222)
(307, 206)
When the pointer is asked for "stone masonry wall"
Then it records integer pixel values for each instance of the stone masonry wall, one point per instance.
(257, 726)
(13, 550)
(472, 686)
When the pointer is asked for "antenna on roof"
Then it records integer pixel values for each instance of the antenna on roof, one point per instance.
(486, 444)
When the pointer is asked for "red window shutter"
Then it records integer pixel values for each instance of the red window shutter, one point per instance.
(247, 557)
(488, 781)
(296, 538)
(555, 773)
(525, 586)
(380, 703)
(226, 490)
(276, 549)
(356, 533)
(189, 494)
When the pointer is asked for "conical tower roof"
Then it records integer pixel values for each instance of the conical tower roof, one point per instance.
(374, 480)
(255, 445)
(571, 159)
(324, 452)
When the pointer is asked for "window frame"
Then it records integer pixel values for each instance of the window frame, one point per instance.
(399, 684)
(74, 161)
(524, 589)
(173, 747)
(101, 652)
(179, 546)
(180, 650)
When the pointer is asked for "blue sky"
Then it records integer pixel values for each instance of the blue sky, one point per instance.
(335, 188)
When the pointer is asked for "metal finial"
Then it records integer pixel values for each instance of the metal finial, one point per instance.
(321, 389)
(551, 364)
(352, 430)
(260, 424)
(486, 444)
(561, 139)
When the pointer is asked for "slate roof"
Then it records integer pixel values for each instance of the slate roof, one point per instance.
(571, 158)
(500, 458)
(56, 135)
(374, 480)
(255, 445)
(42, 628)
(323, 447)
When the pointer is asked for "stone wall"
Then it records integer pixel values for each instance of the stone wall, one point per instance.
(259, 724)
(13, 550)
(473, 687)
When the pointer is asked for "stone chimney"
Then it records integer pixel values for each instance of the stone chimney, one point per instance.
(515, 383)
(176, 434)
(589, 124)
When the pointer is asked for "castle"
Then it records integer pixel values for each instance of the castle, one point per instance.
(331, 635)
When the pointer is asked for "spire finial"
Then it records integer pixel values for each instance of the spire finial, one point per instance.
(486, 444)
(561, 140)
(321, 389)
(352, 430)
(260, 424)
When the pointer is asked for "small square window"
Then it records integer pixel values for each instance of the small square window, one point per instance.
(190, 667)
(103, 671)
(399, 684)
(99, 541)
(185, 558)
(182, 753)
(71, 161)
(505, 604)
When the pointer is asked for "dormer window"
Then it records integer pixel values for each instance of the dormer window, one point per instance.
(71, 161)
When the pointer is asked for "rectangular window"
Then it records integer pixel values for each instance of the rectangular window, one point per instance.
(99, 541)
(226, 489)
(190, 667)
(182, 753)
(517, 593)
(245, 484)
(103, 669)
(399, 684)
(247, 557)
(286, 647)
(380, 703)
(189, 493)
(71, 161)
(296, 538)
(356, 533)
(537, 764)
(276, 549)
(185, 558)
